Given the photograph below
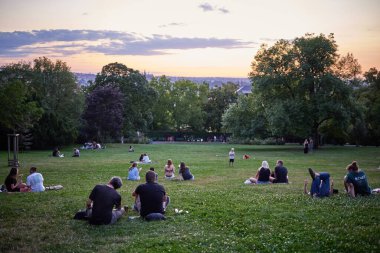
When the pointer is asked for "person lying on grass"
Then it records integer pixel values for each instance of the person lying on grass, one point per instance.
(320, 186)
(13, 182)
(102, 200)
(355, 182)
(150, 198)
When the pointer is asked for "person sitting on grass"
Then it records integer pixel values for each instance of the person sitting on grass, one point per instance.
(76, 152)
(152, 169)
(35, 181)
(262, 175)
(169, 170)
(131, 149)
(133, 173)
(13, 182)
(320, 186)
(57, 153)
(184, 172)
(146, 159)
(280, 174)
(151, 200)
(355, 181)
(102, 200)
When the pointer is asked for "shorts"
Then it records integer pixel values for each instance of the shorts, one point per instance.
(232, 160)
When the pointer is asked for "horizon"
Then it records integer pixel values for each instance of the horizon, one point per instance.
(180, 38)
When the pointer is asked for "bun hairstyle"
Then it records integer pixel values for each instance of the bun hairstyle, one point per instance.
(353, 166)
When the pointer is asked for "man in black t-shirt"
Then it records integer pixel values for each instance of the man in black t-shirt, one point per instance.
(150, 197)
(101, 202)
(280, 173)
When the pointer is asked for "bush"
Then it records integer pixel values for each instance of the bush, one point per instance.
(256, 141)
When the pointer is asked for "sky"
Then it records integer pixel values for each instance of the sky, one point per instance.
(180, 37)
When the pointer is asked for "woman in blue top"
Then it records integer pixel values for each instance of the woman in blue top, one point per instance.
(355, 181)
(185, 172)
(133, 173)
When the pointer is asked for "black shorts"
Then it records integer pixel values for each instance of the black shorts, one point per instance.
(232, 160)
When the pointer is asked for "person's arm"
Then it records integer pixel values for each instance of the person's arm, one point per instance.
(257, 174)
(89, 203)
(351, 190)
(332, 187)
(305, 187)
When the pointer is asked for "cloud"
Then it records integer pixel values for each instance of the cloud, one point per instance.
(68, 42)
(173, 24)
(208, 7)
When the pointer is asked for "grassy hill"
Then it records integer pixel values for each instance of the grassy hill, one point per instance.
(224, 215)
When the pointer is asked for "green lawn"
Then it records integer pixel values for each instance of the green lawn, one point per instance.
(224, 214)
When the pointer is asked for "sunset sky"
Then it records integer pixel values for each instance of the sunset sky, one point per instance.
(180, 37)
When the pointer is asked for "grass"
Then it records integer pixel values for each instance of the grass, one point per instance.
(224, 214)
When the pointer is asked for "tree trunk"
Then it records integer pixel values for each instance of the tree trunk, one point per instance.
(315, 137)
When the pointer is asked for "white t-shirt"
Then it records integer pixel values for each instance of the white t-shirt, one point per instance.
(35, 181)
(232, 154)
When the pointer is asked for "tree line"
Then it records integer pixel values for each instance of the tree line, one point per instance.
(300, 88)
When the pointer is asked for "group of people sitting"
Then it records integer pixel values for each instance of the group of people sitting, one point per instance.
(104, 203)
(91, 145)
(183, 173)
(34, 182)
(144, 158)
(355, 181)
(264, 175)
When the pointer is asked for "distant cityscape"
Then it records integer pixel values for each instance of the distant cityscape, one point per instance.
(84, 79)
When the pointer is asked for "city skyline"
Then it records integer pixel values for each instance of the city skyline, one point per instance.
(180, 38)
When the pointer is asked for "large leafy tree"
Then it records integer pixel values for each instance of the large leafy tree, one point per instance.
(61, 98)
(104, 113)
(218, 101)
(164, 106)
(188, 98)
(139, 97)
(18, 111)
(297, 88)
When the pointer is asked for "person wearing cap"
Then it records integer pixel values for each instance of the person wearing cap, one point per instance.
(231, 154)
(102, 200)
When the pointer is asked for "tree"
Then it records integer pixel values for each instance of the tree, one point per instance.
(297, 87)
(104, 113)
(139, 97)
(56, 91)
(245, 118)
(164, 105)
(188, 98)
(218, 101)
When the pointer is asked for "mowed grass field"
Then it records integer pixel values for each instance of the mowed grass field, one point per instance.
(224, 215)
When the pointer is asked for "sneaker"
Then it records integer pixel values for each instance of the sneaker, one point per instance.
(312, 173)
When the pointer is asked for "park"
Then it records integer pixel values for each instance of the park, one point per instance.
(220, 213)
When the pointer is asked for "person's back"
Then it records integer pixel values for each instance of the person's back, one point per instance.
(35, 181)
(133, 174)
(186, 175)
(359, 180)
(151, 197)
(104, 199)
(11, 181)
(264, 174)
(281, 174)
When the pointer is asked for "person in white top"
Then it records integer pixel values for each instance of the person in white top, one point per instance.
(35, 180)
(146, 159)
(169, 170)
(232, 157)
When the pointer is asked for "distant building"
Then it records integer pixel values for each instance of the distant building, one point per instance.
(245, 89)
